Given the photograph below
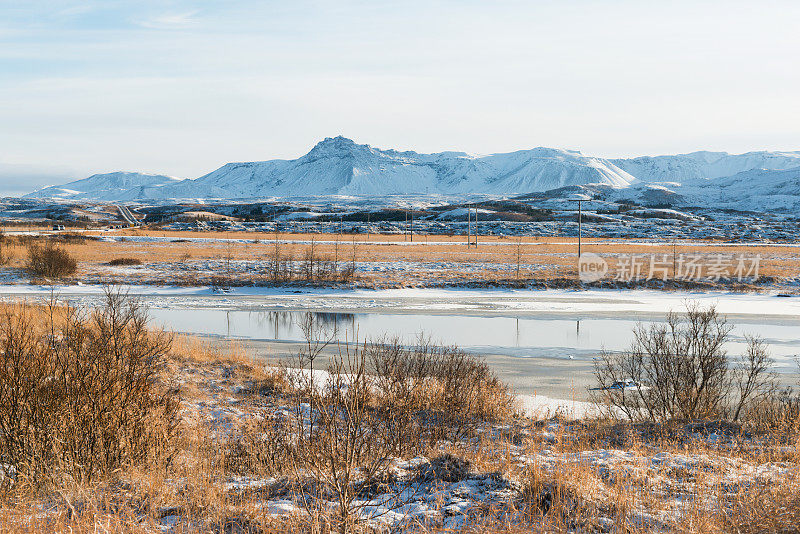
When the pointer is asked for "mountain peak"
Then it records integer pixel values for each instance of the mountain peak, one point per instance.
(336, 146)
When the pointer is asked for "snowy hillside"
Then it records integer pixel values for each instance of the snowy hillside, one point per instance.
(757, 190)
(705, 165)
(108, 186)
(753, 190)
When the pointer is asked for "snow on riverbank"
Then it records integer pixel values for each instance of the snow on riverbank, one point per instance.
(599, 302)
(543, 407)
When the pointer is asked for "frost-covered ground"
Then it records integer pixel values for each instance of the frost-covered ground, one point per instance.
(244, 267)
(659, 484)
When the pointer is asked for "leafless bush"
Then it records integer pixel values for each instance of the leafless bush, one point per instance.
(220, 283)
(50, 261)
(373, 402)
(680, 370)
(313, 266)
(343, 443)
(432, 392)
(124, 261)
(280, 265)
(6, 253)
(80, 394)
(309, 259)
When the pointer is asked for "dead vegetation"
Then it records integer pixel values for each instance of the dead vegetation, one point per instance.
(50, 261)
(251, 258)
(385, 438)
(680, 371)
(118, 262)
(80, 395)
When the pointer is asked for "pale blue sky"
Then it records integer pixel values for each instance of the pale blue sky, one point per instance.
(181, 87)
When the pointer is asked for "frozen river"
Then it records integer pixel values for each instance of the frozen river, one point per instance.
(579, 335)
(534, 339)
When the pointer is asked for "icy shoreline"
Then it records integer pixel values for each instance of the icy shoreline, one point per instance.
(500, 301)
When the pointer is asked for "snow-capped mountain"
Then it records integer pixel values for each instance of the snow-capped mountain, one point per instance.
(109, 186)
(339, 166)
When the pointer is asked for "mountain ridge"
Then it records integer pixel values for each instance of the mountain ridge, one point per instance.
(340, 166)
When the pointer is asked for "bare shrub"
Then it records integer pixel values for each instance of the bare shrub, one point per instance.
(279, 265)
(124, 261)
(433, 392)
(316, 267)
(346, 273)
(680, 370)
(343, 443)
(80, 394)
(309, 259)
(375, 401)
(50, 261)
(220, 283)
(6, 253)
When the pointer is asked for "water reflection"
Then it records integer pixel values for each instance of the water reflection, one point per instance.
(272, 325)
(521, 336)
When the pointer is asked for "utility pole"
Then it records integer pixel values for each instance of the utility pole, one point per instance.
(579, 200)
(580, 227)
(469, 226)
(476, 227)
(674, 261)
(411, 229)
(470, 233)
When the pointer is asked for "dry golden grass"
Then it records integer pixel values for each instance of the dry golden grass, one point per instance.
(554, 258)
(557, 486)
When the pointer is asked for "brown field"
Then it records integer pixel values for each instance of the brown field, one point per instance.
(442, 259)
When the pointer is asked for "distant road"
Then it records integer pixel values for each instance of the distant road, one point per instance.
(126, 214)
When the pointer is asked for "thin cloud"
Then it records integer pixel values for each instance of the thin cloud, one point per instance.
(171, 21)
